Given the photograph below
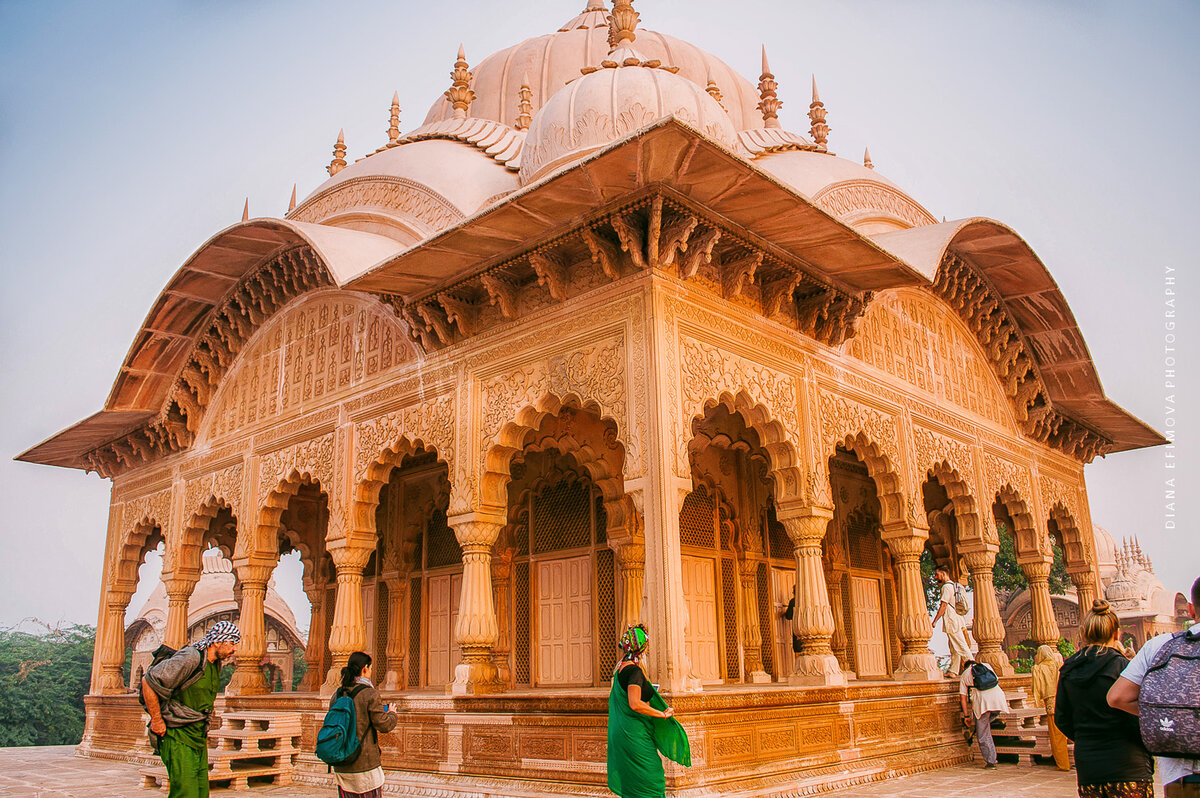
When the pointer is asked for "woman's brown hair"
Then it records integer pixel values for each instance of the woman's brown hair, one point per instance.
(1100, 625)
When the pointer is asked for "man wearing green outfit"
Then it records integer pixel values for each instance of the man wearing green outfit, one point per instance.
(179, 693)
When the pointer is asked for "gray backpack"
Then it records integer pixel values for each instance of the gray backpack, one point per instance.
(1169, 699)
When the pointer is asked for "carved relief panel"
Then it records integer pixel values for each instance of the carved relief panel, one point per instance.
(920, 341)
(321, 345)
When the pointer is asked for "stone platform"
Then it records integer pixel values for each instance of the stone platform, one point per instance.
(55, 772)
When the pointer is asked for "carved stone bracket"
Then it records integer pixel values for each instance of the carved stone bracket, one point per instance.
(501, 292)
(737, 271)
(551, 272)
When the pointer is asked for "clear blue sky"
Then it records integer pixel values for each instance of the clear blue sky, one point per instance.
(130, 132)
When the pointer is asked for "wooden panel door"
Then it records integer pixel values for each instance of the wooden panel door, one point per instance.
(700, 598)
(870, 646)
(783, 588)
(564, 621)
(443, 654)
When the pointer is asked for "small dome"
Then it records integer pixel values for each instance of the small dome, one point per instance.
(409, 192)
(550, 61)
(608, 104)
(859, 196)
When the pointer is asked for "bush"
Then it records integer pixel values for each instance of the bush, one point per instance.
(43, 679)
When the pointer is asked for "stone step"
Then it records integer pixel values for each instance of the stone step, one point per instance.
(238, 779)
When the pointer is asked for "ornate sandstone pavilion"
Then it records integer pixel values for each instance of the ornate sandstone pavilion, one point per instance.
(601, 342)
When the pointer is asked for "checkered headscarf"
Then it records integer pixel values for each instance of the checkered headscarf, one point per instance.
(221, 632)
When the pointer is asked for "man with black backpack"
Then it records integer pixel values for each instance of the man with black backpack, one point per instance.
(178, 692)
(1161, 685)
(987, 701)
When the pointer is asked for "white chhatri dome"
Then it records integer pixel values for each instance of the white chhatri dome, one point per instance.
(550, 61)
(608, 104)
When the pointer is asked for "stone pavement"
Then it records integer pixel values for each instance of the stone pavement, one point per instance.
(55, 772)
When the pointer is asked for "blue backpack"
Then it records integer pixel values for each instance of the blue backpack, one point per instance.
(983, 677)
(337, 741)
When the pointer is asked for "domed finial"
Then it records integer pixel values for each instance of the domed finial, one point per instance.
(339, 155)
(394, 120)
(524, 104)
(867, 158)
(292, 201)
(246, 210)
(623, 25)
(713, 90)
(818, 131)
(595, 5)
(768, 103)
(459, 94)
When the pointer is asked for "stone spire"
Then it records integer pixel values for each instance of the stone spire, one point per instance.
(339, 155)
(292, 201)
(393, 130)
(459, 94)
(713, 90)
(768, 103)
(867, 158)
(524, 104)
(246, 210)
(622, 29)
(818, 131)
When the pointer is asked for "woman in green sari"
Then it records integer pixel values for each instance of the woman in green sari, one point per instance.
(640, 724)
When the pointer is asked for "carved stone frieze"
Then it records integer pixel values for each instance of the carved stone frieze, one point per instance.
(842, 418)
(153, 508)
(427, 208)
(224, 485)
(932, 448)
(852, 200)
(1000, 472)
(430, 422)
(314, 458)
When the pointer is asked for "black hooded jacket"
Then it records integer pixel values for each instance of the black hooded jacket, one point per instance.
(1108, 744)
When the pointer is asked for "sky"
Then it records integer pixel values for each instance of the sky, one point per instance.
(131, 132)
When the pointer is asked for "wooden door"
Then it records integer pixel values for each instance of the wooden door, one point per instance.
(443, 653)
(870, 646)
(700, 598)
(783, 588)
(564, 621)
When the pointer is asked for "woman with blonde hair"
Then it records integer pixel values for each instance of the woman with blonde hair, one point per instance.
(1110, 759)
(1045, 689)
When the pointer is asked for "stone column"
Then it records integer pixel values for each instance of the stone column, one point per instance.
(916, 662)
(112, 643)
(838, 642)
(314, 650)
(1043, 627)
(179, 590)
(397, 640)
(813, 619)
(751, 632)
(501, 580)
(987, 626)
(348, 628)
(477, 628)
(631, 568)
(247, 675)
(1085, 590)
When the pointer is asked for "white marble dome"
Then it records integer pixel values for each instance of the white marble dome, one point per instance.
(609, 104)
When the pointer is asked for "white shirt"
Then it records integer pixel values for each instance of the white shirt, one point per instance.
(1170, 768)
(990, 700)
(950, 616)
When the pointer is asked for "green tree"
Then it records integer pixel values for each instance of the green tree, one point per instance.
(1007, 574)
(43, 679)
(299, 668)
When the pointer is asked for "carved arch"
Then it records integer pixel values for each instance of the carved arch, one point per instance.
(142, 537)
(1030, 544)
(259, 541)
(538, 425)
(1076, 553)
(972, 527)
(185, 556)
(889, 486)
(377, 474)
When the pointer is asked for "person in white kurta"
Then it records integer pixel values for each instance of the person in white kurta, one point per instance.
(985, 705)
(953, 624)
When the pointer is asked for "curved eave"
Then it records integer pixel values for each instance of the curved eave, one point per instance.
(1038, 307)
(184, 309)
(667, 153)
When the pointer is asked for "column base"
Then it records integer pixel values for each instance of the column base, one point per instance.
(998, 660)
(247, 682)
(817, 670)
(333, 680)
(392, 681)
(758, 677)
(918, 668)
(112, 683)
(476, 678)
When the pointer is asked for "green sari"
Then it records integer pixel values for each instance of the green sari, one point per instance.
(634, 769)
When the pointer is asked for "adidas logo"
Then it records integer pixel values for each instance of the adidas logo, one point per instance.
(1166, 725)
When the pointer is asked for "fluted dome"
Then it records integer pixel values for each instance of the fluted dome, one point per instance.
(409, 192)
(606, 105)
(551, 60)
